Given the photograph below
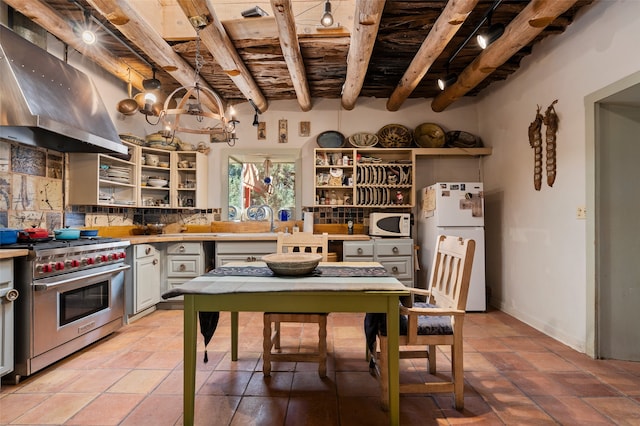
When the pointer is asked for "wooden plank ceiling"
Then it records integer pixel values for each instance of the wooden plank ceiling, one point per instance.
(393, 49)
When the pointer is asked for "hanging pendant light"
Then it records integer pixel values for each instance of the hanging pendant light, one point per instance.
(327, 17)
(190, 100)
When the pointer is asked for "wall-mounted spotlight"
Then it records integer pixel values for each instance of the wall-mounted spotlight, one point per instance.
(88, 30)
(486, 38)
(256, 111)
(443, 83)
(327, 17)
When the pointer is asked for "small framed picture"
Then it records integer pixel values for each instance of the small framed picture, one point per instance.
(305, 128)
(262, 130)
(283, 134)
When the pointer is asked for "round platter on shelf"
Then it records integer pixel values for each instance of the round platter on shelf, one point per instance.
(429, 135)
(330, 139)
(395, 136)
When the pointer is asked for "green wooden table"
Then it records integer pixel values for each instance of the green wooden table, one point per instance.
(284, 294)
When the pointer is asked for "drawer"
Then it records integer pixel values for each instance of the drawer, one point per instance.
(401, 268)
(144, 250)
(245, 247)
(184, 266)
(229, 258)
(358, 249)
(184, 248)
(394, 247)
(173, 283)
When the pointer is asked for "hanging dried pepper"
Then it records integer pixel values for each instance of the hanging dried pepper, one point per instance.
(551, 121)
(535, 140)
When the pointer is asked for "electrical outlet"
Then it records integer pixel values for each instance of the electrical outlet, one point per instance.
(581, 212)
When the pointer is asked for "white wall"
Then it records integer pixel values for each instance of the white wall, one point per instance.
(369, 115)
(536, 253)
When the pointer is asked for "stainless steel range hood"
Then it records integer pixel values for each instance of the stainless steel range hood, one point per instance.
(48, 103)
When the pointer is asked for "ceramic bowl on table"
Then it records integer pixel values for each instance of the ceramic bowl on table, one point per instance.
(292, 264)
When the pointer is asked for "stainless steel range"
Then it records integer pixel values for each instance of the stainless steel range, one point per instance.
(71, 294)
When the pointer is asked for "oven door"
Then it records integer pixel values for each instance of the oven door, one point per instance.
(70, 305)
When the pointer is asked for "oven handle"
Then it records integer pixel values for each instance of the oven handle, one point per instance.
(45, 287)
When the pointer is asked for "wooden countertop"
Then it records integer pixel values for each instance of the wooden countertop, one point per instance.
(226, 236)
(11, 253)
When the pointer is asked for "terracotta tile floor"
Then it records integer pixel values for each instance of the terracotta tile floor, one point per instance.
(514, 375)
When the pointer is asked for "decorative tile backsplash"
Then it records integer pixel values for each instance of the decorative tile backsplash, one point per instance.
(31, 186)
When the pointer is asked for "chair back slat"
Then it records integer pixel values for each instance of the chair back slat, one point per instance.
(451, 272)
(304, 242)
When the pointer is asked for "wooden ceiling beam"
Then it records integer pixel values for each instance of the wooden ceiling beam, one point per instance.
(443, 30)
(215, 38)
(54, 23)
(367, 17)
(533, 19)
(146, 38)
(283, 13)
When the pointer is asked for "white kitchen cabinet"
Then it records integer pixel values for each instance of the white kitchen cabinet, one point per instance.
(143, 283)
(394, 254)
(186, 176)
(185, 261)
(101, 179)
(242, 251)
(7, 295)
(363, 177)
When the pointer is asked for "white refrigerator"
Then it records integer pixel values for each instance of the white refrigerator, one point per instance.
(453, 208)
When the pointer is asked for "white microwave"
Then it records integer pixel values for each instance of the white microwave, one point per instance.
(390, 224)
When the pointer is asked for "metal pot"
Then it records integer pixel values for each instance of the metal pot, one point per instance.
(67, 234)
(8, 236)
(33, 234)
(89, 233)
(128, 106)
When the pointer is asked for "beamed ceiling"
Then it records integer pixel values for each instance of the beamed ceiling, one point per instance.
(393, 49)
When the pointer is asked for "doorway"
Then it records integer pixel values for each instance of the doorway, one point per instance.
(615, 222)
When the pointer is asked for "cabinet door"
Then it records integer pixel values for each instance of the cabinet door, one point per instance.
(147, 282)
(6, 317)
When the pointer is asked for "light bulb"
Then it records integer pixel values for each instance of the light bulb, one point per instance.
(88, 37)
(327, 18)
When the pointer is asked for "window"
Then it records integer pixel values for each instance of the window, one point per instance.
(258, 179)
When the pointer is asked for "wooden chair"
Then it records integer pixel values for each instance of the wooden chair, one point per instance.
(438, 321)
(287, 243)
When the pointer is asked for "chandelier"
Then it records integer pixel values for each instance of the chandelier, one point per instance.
(191, 115)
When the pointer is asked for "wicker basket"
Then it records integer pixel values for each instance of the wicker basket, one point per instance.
(395, 136)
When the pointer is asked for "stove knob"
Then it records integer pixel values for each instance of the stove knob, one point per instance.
(88, 261)
(101, 258)
(122, 255)
(113, 256)
(45, 267)
(75, 263)
(59, 266)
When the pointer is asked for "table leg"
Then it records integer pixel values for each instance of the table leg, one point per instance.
(190, 341)
(393, 355)
(234, 336)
